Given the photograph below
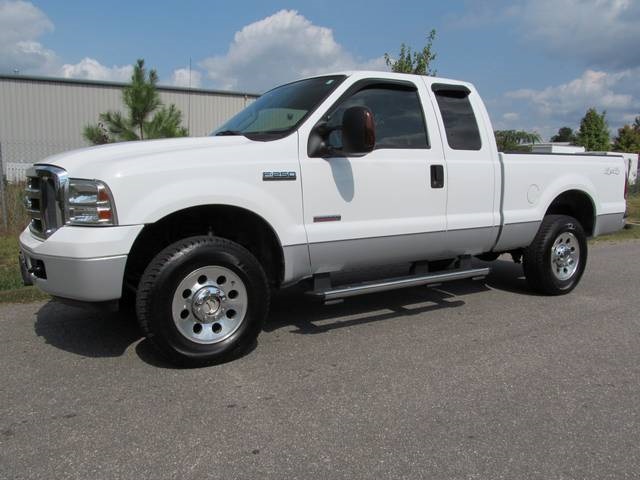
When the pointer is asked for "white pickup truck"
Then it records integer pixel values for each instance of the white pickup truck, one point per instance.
(324, 175)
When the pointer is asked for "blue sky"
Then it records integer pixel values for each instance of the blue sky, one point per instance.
(539, 64)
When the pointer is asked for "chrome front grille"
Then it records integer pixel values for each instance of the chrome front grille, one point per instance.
(44, 199)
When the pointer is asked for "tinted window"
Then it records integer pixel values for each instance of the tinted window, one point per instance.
(282, 109)
(459, 120)
(397, 114)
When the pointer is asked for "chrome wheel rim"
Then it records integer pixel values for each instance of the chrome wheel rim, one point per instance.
(209, 304)
(565, 256)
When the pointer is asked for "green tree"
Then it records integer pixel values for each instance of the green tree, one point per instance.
(594, 132)
(636, 124)
(628, 140)
(565, 134)
(515, 140)
(146, 117)
(418, 63)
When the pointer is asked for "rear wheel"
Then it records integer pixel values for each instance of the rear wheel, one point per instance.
(556, 259)
(202, 300)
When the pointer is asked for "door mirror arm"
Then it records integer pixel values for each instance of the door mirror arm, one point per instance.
(358, 135)
(318, 145)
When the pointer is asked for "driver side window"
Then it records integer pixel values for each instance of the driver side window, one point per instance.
(397, 114)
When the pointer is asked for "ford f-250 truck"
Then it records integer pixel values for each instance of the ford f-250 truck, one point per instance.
(324, 175)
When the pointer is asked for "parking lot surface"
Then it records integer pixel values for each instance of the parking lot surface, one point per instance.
(468, 380)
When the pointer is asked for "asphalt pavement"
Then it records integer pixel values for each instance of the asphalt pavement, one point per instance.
(471, 380)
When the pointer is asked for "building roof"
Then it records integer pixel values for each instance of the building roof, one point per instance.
(101, 83)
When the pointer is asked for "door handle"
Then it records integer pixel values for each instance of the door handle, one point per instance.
(437, 176)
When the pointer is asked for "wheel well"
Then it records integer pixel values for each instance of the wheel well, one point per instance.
(234, 223)
(577, 204)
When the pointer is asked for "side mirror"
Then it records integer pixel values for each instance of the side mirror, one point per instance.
(358, 131)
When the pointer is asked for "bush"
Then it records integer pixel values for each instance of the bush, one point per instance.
(16, 214)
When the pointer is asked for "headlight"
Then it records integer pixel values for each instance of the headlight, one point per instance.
(89, 202)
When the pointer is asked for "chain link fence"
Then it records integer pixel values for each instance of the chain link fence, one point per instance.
(20, 154)
(16, 156)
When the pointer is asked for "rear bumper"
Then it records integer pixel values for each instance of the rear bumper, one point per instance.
(80, 278)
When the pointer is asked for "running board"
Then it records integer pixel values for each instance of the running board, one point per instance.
(397, 283)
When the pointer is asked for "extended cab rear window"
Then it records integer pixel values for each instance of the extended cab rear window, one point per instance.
(459, 120)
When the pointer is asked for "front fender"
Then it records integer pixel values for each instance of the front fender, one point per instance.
(278, 203)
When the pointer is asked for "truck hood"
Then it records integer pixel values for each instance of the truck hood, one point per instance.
(116, 159)
(154, 178)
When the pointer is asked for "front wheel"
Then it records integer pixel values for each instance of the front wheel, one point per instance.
(202, 300)
(556, 259)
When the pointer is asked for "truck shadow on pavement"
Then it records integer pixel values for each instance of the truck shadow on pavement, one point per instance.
(309, 316)
(85, 332)
(104, 335)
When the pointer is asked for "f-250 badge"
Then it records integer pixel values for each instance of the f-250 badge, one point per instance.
(612, 171)
(269, 176)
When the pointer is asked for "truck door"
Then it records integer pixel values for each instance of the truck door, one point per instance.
(472, 169)
(379, 208)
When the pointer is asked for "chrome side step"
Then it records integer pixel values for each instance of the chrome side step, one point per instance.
(397, 283)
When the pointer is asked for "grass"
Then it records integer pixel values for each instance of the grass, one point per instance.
(11, 288)
(16, 214)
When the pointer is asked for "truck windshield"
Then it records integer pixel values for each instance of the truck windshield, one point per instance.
(279, 111)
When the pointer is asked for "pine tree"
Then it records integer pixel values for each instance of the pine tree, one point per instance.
(594, 132)
(142, 99)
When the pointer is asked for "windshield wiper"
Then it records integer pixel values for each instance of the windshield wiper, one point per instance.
(224, 133)
(276, 131)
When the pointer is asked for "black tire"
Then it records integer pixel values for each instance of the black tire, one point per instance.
(537, 259)
(161, 279)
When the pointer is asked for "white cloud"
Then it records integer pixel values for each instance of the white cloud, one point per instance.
(280, 48)
(617, 93)
(21, 25)
(182, 77)
(592, 33)
(595, 32)
(91, 69)
(593, 88)
(22, 21)
(602, 36)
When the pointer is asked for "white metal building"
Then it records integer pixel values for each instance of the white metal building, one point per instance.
(41, 116)
(556, 147)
